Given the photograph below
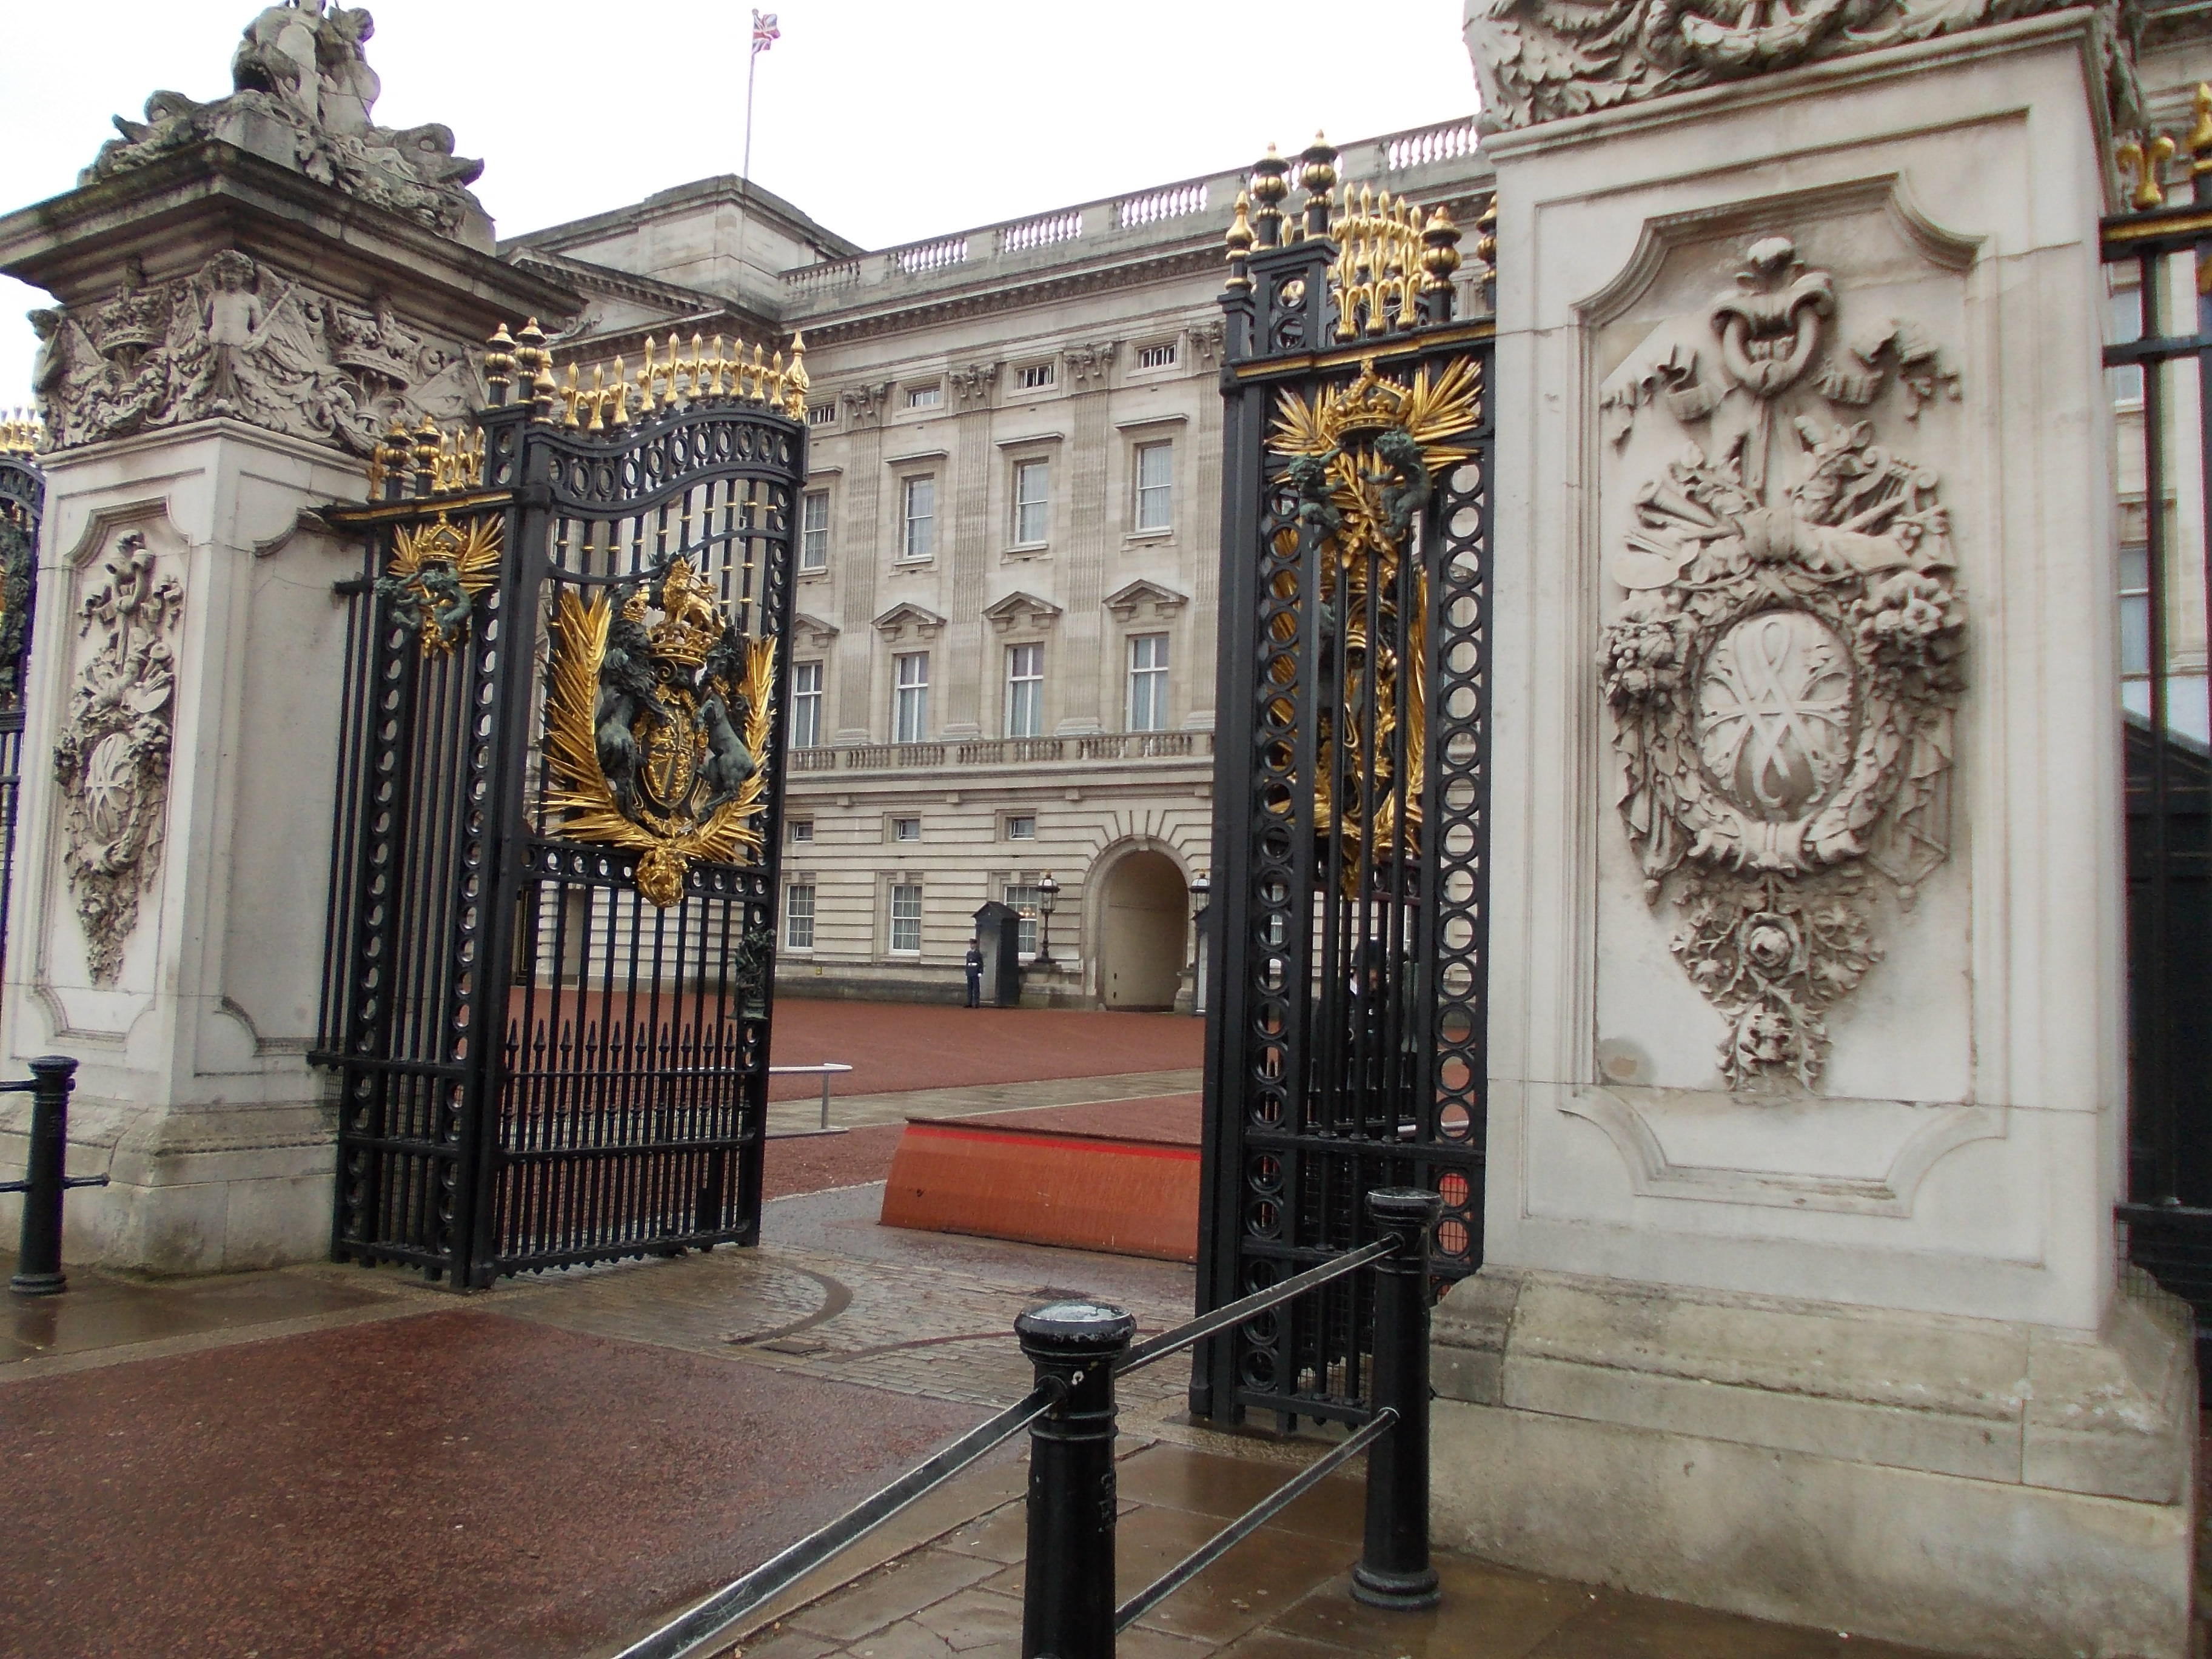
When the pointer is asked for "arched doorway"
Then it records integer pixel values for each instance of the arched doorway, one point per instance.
(1144, 922)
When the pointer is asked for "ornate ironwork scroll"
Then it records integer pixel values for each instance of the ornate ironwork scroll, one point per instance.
(1343, 1052)
(549, 983)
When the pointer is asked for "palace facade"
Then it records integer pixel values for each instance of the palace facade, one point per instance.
(1003, 656)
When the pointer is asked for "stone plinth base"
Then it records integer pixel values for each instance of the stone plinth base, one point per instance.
(1972, 1486)
(222, 1190)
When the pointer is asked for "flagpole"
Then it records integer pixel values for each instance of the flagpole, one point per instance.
(752, 68)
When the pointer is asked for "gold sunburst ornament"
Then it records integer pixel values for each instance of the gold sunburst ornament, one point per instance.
(655, 735)
(1364, 459)
(436, 572)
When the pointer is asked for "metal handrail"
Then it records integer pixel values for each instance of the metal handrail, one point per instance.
(1253, 1519)
(1235, 1312)
(828, 1069)
(1068, 1609)
(46, 1179)
(710, 1620)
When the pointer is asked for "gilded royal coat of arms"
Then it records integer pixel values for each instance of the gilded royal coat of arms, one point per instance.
(655, 731)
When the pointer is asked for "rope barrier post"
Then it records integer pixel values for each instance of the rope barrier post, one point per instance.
(1067, 1599)
(1394, 1569)
(39, 1260)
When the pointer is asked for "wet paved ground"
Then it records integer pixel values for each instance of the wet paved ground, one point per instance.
(333, 1463)
(899, 1047)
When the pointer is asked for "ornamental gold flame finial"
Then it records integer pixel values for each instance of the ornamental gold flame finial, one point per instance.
(1239, 243)
(2200, 131)
(2145, 159)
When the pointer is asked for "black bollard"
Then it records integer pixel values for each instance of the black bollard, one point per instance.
(1067, 1600)
(1394, 1569)
(39, 1263)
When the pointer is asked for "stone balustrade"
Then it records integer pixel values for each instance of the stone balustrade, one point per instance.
(1005, 751)
(1164, 214)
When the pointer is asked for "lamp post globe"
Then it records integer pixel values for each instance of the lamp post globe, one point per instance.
(1048, 896)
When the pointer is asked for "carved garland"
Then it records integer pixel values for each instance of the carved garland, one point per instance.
(111, 760)
(1783, 671)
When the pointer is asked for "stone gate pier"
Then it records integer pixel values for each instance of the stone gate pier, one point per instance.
(1801, 1295)
(249, 294)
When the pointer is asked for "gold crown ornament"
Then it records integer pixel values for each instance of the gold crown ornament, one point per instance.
(691, 617)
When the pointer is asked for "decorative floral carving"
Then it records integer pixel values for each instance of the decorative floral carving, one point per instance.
(1544, 60)
(242, 340)
(113, 758)
(303, 94)
(1785, 668)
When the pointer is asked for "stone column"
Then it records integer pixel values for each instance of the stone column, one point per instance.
(1201, 526)
(860, 533)
(1807, 1068)
(1091, 526)
(969, 710)
(230, 338)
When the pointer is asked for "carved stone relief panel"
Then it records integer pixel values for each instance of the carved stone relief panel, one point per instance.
(1782, 653)
(111, 758)
(242, 339)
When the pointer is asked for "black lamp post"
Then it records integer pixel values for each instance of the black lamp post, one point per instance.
(1048, 893)
(1202, 893)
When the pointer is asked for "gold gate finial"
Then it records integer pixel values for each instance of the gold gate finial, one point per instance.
(2144, 160)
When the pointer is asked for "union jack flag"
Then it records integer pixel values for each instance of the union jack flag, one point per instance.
(765, 33)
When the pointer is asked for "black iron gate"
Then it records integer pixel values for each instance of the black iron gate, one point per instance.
(547, 985)
(1345, 1045)
(2158, 265)
(23, 497)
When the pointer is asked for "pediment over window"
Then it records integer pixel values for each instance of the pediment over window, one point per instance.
(1023, 610)
(816, 633)
(1146, 601)
(909, 622)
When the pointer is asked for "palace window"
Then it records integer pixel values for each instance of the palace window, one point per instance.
(2135, 608)
(906, 919)
(1021, 826)
(1032, 503)
(926, 396)
(806, 705)
(2124, 326)
(906, 829)
(919, 500)
(910, 697)
(799, 917)
(1155, 486)
(1024, 691)
(1024, 899)
(814, 531)
(798, 831)
(822, 415)
(1162, 355)
(1033, 377)
(1148, 682)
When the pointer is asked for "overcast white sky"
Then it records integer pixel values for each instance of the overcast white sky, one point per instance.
(887, 121)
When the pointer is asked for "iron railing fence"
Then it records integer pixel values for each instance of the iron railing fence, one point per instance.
(2157, 260)
(548, 989)
(1348, 925)
(1079, 1349)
